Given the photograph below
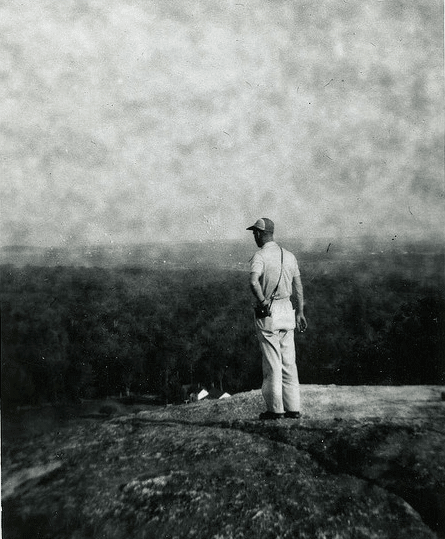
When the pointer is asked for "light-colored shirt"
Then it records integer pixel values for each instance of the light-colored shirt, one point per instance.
(267, 264)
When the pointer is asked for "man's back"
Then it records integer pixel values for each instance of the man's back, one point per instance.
(267, 263)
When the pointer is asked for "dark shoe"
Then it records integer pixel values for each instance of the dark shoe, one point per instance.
(270, 415)
(292, 415)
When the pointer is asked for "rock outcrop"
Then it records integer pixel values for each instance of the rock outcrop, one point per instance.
(361, 462)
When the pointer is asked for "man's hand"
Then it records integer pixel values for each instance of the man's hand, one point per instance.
(301, 323)
(256, 289)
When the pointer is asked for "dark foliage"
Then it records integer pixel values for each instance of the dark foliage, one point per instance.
(70, 333)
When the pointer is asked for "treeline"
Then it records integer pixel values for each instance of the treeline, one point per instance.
(71, 333)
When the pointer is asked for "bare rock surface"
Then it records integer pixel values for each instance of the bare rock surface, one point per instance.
(362, 462)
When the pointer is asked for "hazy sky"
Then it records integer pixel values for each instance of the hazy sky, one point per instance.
(140, 120)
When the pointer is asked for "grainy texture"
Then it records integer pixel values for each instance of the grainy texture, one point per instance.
(361, 463)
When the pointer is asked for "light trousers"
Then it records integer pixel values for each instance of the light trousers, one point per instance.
(281, 387)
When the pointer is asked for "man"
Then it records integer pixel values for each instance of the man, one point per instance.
(272, 266)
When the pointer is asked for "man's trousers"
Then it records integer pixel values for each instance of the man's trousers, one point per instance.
(281, 388)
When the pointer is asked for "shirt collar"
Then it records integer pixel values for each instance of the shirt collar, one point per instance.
(269, 244)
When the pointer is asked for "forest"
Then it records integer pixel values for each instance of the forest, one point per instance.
(71, 333)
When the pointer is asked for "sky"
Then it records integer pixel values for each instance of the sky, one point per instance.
(133, 121)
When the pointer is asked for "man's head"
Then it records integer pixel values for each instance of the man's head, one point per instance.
(263, 231)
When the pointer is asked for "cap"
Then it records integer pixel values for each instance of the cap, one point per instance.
(263, 224)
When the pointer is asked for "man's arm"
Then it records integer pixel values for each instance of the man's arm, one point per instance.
(256, 289)
(298, 287)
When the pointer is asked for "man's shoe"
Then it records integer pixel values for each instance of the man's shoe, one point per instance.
(292, 415)
(270, 415)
